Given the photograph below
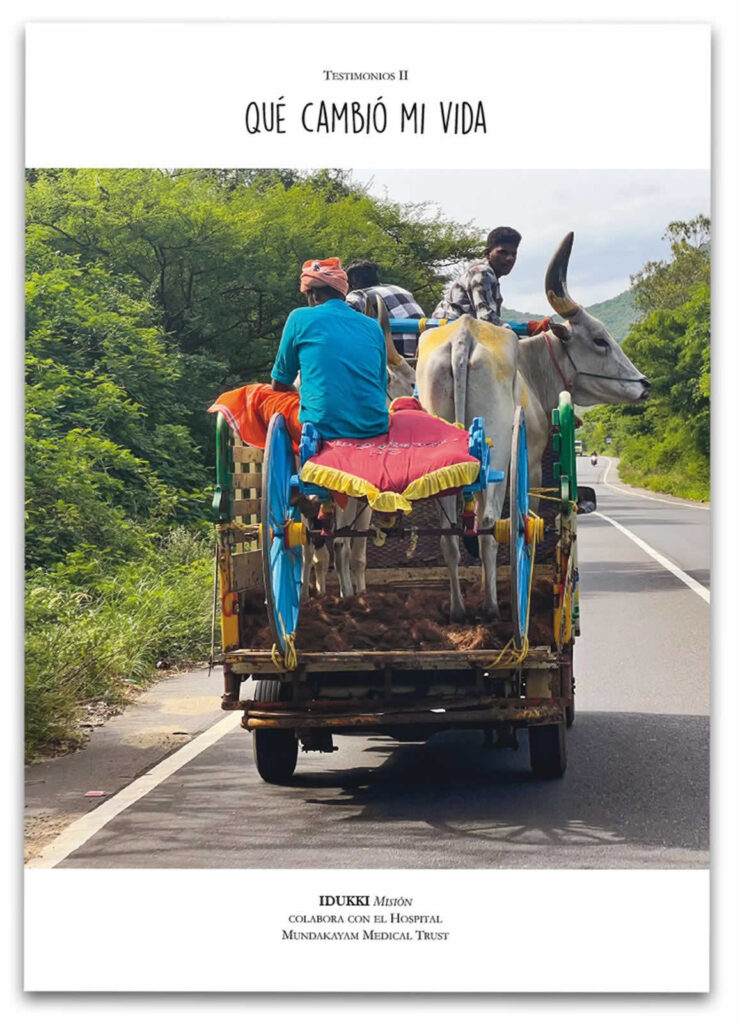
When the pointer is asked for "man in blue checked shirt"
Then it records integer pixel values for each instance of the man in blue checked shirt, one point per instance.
(363, 279)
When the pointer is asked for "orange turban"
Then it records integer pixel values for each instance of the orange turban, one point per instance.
(324, 273)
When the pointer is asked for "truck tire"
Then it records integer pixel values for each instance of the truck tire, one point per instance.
(547, 750)
(275, 750)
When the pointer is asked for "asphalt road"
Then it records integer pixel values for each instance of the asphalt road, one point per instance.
(635, 795)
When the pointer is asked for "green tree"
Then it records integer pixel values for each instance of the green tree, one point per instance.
(666, 284)
(216, 255)
(665, 442)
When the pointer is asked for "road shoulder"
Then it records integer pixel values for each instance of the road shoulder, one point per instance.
(166, 717)
(613, 480)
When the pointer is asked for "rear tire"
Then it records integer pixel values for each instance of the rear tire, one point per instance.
(275, 750)
(548, 755)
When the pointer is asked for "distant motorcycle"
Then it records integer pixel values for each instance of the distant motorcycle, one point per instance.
(594, 459)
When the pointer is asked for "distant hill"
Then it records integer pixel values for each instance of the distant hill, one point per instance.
(617, 314)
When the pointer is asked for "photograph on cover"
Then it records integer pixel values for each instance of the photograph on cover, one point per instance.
(367, 518)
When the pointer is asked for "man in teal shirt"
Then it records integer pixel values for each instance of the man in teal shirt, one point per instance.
(341, 357)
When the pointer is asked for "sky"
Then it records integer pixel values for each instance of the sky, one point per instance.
(618, 218)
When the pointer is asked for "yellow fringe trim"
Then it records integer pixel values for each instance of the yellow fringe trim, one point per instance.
(338, 480)
(444, 479)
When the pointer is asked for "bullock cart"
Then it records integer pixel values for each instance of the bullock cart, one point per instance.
(306, 694)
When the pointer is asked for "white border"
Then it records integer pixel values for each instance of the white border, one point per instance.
(509, 931)
(185, 105)
(725, 44)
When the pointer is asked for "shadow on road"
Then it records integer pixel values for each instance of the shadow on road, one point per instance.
(635, 795)
(630, 779)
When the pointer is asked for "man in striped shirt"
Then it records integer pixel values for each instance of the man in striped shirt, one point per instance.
(401, 304)
(477, 290)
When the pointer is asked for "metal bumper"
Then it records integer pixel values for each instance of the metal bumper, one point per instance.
(361, 715)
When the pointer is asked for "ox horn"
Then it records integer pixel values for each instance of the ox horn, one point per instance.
(376, 308)
(556, 280)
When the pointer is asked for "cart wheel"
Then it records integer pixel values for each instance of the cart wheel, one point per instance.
(275, 750)
(547, 750)
(281, 566)
(520, 550)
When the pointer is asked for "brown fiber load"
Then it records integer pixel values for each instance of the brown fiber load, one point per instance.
(416, 618)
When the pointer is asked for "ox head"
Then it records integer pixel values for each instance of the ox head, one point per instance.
(595, 364)
(401, 376)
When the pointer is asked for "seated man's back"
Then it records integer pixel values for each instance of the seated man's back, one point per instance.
(341, 356)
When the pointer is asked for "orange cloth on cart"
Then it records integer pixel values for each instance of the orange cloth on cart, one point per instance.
(420, 456)
(249, 409)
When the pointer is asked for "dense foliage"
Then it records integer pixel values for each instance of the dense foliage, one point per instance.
(664, 444)
(148, 293)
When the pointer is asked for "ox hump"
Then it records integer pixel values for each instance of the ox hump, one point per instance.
(499, 341)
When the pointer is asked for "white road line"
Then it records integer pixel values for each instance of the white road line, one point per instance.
(73, 837)
(648, 497)
(703, 592)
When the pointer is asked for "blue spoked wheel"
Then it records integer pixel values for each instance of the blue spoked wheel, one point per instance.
(281, 566)
(521, 551)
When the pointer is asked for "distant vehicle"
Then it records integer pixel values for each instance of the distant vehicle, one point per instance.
(594, 459)
(578, 445)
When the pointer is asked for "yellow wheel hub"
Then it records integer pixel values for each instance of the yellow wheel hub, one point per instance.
(294, 534)
(534, 529)
(501, 531)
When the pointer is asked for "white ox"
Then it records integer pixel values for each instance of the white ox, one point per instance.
(472, 368)
(350, 554)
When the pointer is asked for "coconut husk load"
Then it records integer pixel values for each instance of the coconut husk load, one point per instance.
(416, 618)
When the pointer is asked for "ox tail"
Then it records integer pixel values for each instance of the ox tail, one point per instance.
(462, 344)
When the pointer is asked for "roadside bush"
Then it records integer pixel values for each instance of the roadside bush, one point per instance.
(93, 633)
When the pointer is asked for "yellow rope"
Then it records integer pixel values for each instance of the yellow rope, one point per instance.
(539, 493)
(543, 492)
(380, 538)
(289, 661)
(519, 653)
(276, 657)
(238, 527)
(291, 655)
(290, 658)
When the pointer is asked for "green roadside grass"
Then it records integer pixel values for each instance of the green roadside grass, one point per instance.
(675, 484)
(97, 634)
(670, 469)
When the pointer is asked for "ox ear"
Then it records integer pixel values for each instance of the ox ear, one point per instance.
(561, 331)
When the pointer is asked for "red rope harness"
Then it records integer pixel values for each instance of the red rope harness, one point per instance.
(555, 363)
